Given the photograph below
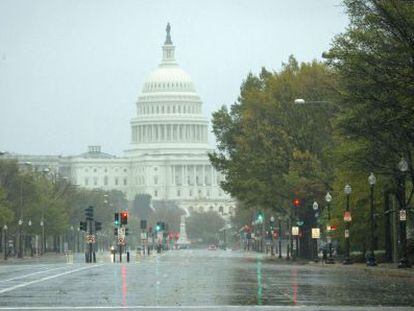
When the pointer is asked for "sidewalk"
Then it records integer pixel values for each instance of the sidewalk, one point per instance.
(46, 258)
(388, 269)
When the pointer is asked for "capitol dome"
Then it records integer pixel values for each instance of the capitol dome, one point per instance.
(168, 79)
(169, 111)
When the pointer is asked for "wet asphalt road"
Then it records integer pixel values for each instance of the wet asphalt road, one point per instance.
(195, 279)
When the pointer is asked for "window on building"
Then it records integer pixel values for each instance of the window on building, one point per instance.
(208, 193)
(116, 181)
(155, 180)
(86, 181)
(190, 193)
(94, 170)
(155, 193)
(95, 181)
(178, 193)
(125, 181)
(125, 170)
(106, 180)
(199, 192)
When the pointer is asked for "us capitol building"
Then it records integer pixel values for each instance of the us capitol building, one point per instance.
(167, 157)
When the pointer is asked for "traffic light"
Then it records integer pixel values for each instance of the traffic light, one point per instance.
(260, 217)
(116, 221)
(89, 213)
(83, 226)
(143, 224)
(158, 227)
(98, 226)
(124, 218)
(116, 232)
(296, 202)
(271, 224)
(126, 231)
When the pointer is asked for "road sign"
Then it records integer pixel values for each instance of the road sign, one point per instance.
(347, 217)
(121, 240)
(347, 233)
(403, 215)
(316, 234)
(295, 230)
(143, 235)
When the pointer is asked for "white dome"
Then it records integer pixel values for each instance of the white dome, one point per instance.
(168, 78)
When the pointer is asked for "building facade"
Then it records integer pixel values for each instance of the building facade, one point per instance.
(168, 154)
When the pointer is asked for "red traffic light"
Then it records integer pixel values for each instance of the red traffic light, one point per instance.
(296, 202)
(124, 218)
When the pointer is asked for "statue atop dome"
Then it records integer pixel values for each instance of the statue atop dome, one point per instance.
(168, 38)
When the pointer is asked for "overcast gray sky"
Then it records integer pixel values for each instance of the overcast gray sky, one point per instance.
(71, 71)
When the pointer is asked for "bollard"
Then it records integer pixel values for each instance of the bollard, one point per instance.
(127, 256)
(94, 257)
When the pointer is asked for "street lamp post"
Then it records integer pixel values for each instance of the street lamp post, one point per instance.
(280, 237)
(404, 262)
(315, 207)
(20, 253)
(328, 199)
(371, 261)
(29, 223)
(5, 248)
(271, 229)
(42, 224)
(347, 260)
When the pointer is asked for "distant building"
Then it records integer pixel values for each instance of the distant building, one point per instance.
(167, 157)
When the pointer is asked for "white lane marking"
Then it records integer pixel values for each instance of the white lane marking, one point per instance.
(223, 307)
(46, 278)
(30, 274)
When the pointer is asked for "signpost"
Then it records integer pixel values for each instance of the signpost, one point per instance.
(316, 234)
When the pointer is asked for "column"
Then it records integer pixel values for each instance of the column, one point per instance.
(182, 175)
(194, 175)
(204, 176)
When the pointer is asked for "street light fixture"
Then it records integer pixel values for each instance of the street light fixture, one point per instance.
(29, 223)
(5, 248)
(348, 191)
(328, 199)
(404, 262)
(371, 261)
(315, 207)
(20, 254)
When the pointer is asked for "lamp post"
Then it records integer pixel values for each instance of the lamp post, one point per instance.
(347, 219)
(271, 229)
(72, 237)
(42, 224)
(280, 237)
(315, 207)
(328, 199)
(5, 248)
(404, 262)
(371, 261)
(29, 223)
(20, 253)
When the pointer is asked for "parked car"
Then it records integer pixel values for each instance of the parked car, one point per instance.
(212, 247)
